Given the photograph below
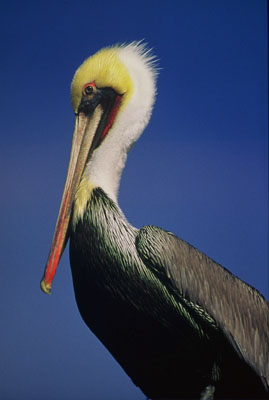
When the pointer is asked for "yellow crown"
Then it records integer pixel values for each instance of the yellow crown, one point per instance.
(106, 70)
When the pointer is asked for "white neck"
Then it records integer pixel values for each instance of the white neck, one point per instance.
(106, 164)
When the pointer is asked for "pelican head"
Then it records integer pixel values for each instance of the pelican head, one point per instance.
(112, 95)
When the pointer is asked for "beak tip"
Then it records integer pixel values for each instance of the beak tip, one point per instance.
(45, 287)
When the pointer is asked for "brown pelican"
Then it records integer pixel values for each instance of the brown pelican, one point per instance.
(178, 323)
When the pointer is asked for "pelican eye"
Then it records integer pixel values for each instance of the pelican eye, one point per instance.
(88, 89)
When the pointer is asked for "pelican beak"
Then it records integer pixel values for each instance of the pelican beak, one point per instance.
(95, 116)
(86, 124)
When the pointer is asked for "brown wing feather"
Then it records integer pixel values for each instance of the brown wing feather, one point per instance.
(238, 309)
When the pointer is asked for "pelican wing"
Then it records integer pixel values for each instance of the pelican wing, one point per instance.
(239, 310)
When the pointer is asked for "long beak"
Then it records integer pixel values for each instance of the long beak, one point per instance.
(84, 131)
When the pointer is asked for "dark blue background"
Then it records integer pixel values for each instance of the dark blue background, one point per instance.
(200, 169)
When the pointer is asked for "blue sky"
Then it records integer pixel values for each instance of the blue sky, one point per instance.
(199, 170)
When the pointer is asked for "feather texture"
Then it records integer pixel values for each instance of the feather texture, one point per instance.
(238, 309)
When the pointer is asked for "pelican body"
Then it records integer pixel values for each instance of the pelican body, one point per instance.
(179, 324)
